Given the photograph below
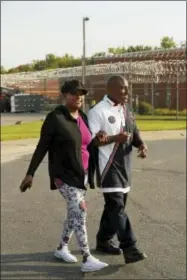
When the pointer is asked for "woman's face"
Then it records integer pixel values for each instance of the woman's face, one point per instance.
(75, 100)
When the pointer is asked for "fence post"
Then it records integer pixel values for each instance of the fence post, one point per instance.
(45, 87)
(152, 97)
(130, 81)
(177, 92)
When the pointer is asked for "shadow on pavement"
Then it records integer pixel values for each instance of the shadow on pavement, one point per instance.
(45, 266)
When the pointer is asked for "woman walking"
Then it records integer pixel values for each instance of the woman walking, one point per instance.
(67, 139)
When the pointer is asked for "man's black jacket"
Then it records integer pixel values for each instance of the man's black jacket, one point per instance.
(61, 138)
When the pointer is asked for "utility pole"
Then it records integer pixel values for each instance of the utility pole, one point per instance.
(84, 55)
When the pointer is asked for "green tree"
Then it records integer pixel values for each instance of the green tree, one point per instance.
(139, 48)
(121, 50)
(98, 54)
(3, 71)
(25, 68)
(39, 65)
(183, 44)
(52, 61)
(13, 70)
(50, 58)
(148, 48)
(118, 50)
(131, 49)
(21, 68)
(167, 42)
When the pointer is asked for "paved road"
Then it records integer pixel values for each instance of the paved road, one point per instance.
(11, 118)
(31, 222)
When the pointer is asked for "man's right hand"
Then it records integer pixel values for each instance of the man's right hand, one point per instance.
(122, 137)
(102, 136)
(26, 183)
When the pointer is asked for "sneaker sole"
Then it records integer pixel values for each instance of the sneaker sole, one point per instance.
(92, 270)
(61, 258)
(104, 251)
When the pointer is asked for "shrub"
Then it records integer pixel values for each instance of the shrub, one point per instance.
(168, 112)
(164, 112)
(144, 108)
(183, 113)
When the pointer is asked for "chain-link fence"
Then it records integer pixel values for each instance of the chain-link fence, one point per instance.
(161, 84)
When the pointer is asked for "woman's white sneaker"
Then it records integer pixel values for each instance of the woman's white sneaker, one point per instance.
(65, 255)
(92, 264)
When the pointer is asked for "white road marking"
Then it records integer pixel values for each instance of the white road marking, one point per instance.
(157, 161)
(136, 170)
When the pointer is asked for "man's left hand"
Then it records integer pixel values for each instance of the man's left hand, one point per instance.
(142, 151)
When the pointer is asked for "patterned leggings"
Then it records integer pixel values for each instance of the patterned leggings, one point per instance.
(76, 216)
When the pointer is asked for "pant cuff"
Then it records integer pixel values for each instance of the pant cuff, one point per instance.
(127, 246)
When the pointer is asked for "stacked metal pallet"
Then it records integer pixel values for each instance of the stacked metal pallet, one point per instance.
(27, 103)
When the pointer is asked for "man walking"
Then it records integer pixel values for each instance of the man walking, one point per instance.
(114, 119)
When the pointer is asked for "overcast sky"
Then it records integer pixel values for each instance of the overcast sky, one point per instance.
(32, 29)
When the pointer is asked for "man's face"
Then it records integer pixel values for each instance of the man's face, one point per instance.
(119, 90)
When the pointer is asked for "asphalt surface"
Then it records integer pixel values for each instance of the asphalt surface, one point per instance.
(11, 118)
(31, 222)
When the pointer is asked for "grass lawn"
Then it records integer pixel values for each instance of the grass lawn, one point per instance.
(22, 131)
(150, 117)
(32, 129)
(153, 125)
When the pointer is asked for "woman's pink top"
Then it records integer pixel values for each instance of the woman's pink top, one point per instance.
(86, 139)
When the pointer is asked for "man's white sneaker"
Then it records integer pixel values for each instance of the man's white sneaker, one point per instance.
(65, 255)
(92, 264)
